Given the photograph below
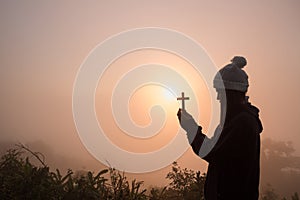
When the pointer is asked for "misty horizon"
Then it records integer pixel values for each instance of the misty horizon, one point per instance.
(45, 44)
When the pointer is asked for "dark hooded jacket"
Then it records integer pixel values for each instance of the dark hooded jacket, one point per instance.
(233, 171)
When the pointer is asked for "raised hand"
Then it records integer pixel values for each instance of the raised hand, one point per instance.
(187, 121)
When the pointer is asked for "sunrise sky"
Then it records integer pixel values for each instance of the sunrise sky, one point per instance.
(44, 43)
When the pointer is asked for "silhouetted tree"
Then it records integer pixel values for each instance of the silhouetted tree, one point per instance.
(280, 166)
(295, 196)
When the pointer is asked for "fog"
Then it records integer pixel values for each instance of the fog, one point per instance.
(44, 43)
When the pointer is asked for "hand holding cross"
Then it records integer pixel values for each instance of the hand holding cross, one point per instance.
(182, 98)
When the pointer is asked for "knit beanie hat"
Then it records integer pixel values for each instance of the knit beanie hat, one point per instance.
(232, 76)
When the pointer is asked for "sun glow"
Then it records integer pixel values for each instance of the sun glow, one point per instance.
(148, 97)
(168, 95)
(150, 102)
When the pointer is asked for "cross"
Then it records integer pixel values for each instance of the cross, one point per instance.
(182, 98)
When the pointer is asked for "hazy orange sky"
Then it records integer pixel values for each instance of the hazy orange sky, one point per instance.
(43, 44)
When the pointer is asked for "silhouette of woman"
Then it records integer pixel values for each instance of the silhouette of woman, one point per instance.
(234, 149)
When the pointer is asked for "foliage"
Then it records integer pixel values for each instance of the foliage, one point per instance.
(20, 179)
(158, 193)
(185, 183)
(295, 196)
(270, 194)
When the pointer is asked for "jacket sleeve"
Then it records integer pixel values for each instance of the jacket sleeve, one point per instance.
(234, 141)
(238, 140)
(196, 143)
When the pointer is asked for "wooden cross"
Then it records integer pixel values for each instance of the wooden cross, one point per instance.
(182, 98)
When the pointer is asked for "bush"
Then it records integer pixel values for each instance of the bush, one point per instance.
(20, 179)
(185, 184)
